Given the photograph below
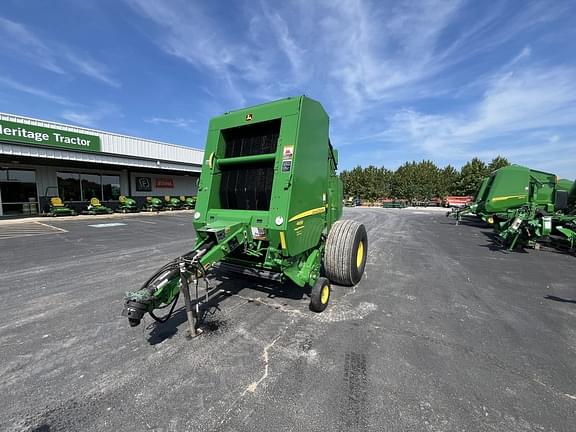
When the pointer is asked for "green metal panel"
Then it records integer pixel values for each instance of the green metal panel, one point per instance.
(309, 189)
(37, 135)
(542, 188)
(572, 196)
(508, 188)
(481, 190)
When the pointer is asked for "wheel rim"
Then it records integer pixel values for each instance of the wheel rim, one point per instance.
(325, 295)
(360, 254)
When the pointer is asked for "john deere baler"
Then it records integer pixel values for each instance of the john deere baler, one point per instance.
(269, 203)
(531, 224)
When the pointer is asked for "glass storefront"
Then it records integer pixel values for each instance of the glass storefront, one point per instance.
(91, 186)
(18, 195)
(69, 186)
(110, 187)
(83, 187)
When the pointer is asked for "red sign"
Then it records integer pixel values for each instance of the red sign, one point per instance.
(164, 182)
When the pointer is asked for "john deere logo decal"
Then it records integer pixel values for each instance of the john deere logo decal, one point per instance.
(248, 116)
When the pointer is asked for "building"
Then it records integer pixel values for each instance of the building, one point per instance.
(41, 159)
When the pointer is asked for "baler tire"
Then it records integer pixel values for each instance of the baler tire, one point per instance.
(344, 262)
(320, 295)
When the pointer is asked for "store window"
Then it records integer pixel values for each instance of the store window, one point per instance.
(91, 186)
(69, 186)
(18, 192)
(83, 187)
(111, 187)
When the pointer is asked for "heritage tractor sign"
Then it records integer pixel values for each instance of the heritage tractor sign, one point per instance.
(37, 135)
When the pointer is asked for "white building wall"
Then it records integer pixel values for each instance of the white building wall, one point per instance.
(114, 145)
(186, 185)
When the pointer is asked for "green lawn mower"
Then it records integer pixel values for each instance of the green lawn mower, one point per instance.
(126, 205)
(153, 204)
(269, 204)
(95, 207)
(172, 203)
(188, 203)
(57, 207)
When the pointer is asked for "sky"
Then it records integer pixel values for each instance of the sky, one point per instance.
(441, 80)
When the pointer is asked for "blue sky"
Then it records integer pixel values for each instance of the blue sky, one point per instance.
(444, 80)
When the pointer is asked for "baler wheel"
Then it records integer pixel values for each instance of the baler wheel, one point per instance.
(320, 295)
(346, 252)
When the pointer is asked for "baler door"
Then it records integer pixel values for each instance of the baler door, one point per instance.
(248, 186)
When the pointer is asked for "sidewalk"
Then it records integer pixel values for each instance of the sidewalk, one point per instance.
(89, 217)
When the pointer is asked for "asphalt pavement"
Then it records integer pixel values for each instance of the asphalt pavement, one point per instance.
(446, 332)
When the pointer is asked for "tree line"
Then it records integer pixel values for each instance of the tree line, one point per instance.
(417, 181)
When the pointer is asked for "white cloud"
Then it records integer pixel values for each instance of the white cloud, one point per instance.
(238, 64)
(92, 69)
(91, 117)
(526, 113)
(34, 91)
(23, 43)
(18, 40)
(178, 122)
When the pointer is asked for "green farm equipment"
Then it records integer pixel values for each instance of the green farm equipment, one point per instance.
(269, 204)
(57, 207)
(126, 205)
(510, 188)
(95, 207)
(471, 208)
(188, 203)
(513, 187)
(153, 204)
(530, 225)
(394, 204)
(172, 203)
(353, 202)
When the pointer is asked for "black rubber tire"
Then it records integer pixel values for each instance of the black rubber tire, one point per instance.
(316, 303)
(341, 253)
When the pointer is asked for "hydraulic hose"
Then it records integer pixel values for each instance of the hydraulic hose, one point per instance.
(169, 314)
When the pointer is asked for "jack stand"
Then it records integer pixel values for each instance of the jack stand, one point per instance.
(191, 314)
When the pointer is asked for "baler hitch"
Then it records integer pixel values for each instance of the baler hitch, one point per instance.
(163, 289)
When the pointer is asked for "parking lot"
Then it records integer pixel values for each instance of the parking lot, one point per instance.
(446, 332)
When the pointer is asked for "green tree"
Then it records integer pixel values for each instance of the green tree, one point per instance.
(497, 163)
(448, 182)
(405, 182)
(428, 182)
(471, 176)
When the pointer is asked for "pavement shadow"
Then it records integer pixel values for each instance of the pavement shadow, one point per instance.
(559, 299)
(229, 284)
(495, 244)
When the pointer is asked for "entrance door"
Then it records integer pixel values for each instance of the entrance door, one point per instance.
(18, 195)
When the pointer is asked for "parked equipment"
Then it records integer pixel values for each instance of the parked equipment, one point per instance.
(188, 203)
(530, 225)
(391, 203)
(126, 205)
(509, 189)
(269, 204)
(57, 207)
(172, 203)
(95, 207)
(153, 204)
(353, 202)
